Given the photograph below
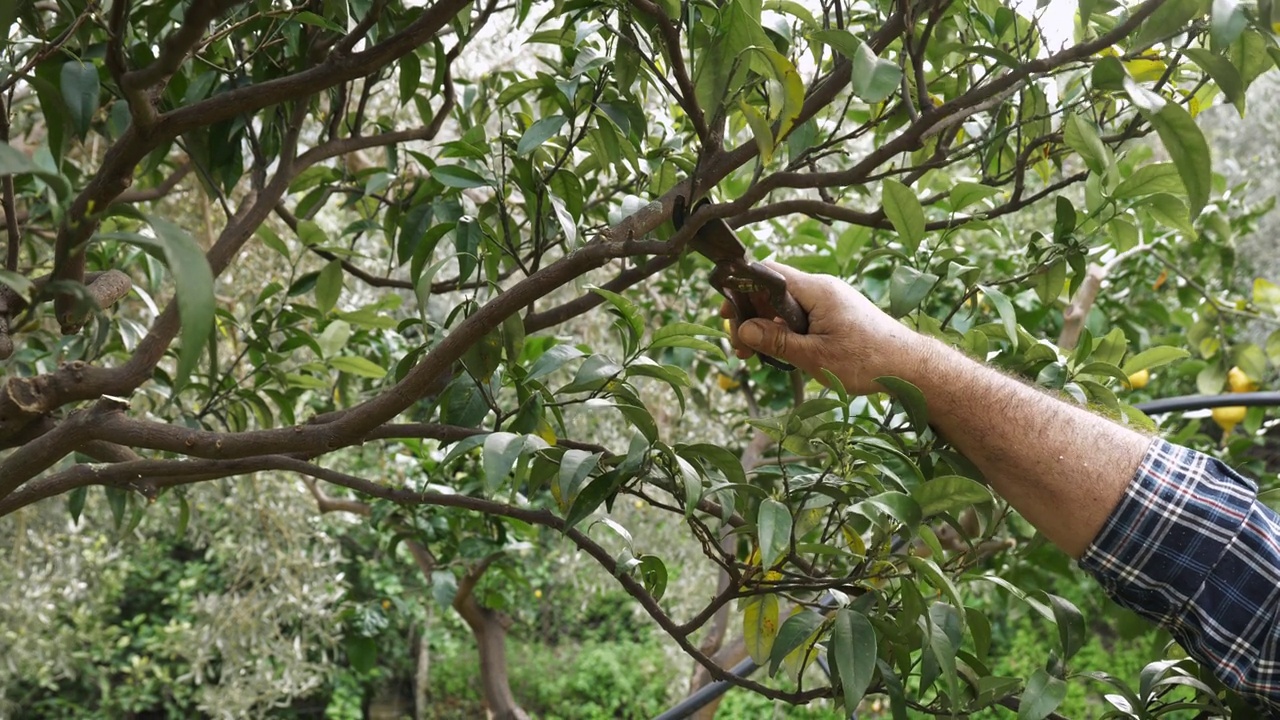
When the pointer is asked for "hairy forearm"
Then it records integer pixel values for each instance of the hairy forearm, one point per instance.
(1062, 467)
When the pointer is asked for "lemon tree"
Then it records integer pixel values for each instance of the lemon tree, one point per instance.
(243, 236)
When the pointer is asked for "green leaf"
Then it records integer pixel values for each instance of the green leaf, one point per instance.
(14, 162)
(722, 459)
(538, 133)
(874, 79)
(18, 283)
(354, 365)
(1153, 358)
(949, 494)
(631, 314)
(1170, 18)
(910, 397)
(80, 89)
(1151, 179)
(929, 570)
(410, 76)
(484, 356)
(1226, 24)
(964, 193)
(1221, 70)
(75, 503)
(1273, 347)
(896, 505)
(908, 287)
(1182, 139)
(903, 209)
(1043, 695)
(1270, 498)
(843, 41)
(760, 130)
(793, 88)
(500, 452)
(1004, 308)
(853, 648)
(792, 635)
(1050, 281)
(1266, 294)
(1111, 348)
(1081, 136)
(575, 467)
(686, 328)
(653, 574)
(773, 529)
(1108, 74)
(193, 283)
(594, 494)
(594, 372)
(466, 241)
(362, 652)
(456, 176)
(117, 500)
(686, 341)
(329, 286)
(551, 360)
(1071, 627)
(760, 626)
(334, 337)
(692, 482)
(310, 18)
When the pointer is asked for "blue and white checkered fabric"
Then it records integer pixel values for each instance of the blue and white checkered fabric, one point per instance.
(1191, 548)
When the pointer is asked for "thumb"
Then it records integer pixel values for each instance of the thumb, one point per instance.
(773, 339)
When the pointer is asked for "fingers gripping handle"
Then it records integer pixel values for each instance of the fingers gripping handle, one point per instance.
(781, 304)
(790, 311)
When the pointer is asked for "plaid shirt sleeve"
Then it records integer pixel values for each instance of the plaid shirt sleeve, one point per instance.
(1191, 548)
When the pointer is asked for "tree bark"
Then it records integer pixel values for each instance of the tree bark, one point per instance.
(422, 673)
(490, 630)
(488, 626)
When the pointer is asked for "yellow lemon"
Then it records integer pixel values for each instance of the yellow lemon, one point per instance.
(537, 593)
(1146, 69)
(1229, 417)
(727, 383)
(1139, 380)
(1239, 381)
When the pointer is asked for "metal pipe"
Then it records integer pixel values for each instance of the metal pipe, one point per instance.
(1203, 402)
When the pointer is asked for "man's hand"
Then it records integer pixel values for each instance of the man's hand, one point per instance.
(848, 335)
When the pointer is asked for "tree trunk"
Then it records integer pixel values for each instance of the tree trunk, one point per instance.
(713, 645)
(490, 630)
(422, 673)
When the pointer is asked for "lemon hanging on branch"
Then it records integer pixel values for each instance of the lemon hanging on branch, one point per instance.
(1229, 417)
(1239, 381)
(1139, 380)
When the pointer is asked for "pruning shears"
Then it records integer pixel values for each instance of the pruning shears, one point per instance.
(743, 282)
